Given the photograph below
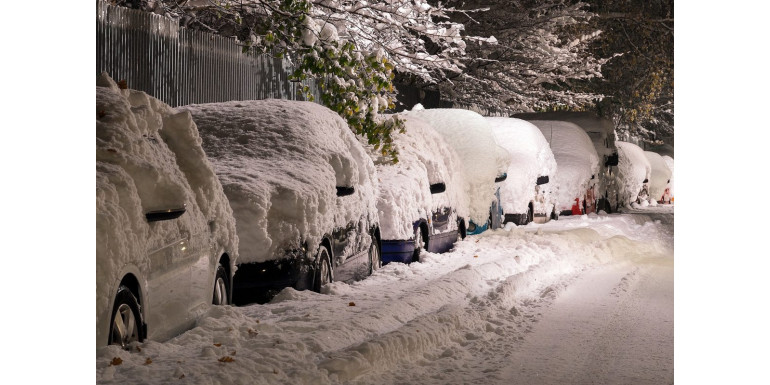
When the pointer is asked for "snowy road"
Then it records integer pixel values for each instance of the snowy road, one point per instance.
(582, 300)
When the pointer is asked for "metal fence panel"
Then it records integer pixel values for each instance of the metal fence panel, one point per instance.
(178, 66)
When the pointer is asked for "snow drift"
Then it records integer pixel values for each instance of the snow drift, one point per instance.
(404, 194)
(531, 157)
(470, 135)
(576, 159)
(280, 163)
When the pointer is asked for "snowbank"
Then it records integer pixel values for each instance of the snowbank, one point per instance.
(280, 163)
(470, 135)
(409, 321)
(576, 159)
(404, 193)
(149, 157)
(659, 175)
(531, 157)
(633, 169)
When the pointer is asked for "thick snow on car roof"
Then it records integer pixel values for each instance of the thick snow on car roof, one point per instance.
(531, 157)
(659, 174)
(470, 135)
(576, 159)
(633, 169)
(600, 130)
(149, 157)
(424, 158)
(279, 162)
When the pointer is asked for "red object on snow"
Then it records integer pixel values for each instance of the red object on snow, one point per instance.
(576, 207)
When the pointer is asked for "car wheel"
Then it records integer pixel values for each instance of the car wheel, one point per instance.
(126, 321)
(530, 214)
(323, 270)
(221, 287)
(461, 232)
(375, 259)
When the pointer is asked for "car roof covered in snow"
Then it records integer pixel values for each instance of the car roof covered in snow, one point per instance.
(424, 158)
(531, 157)
(576, 159)
(280, 162)
(470, 135)
(600, 130)
(659, 174)
(633, 169)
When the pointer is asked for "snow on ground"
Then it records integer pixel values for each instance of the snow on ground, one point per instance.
(585, 297)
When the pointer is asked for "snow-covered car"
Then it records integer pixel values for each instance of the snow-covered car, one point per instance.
(660, 177)
(166, 242)
(634, 174)
(421, 201)
(577, 164)
(668, 193)
(602, 134)
(302, 189)
(527, 194)
(484, 163)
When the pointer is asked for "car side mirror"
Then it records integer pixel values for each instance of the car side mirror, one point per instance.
(501, 178)
(164, 215)
(343, 191)
(542, 180)
(437, 188)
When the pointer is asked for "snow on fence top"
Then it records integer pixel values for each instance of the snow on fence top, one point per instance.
(280, 163)
(576, 159)
(531, 157)
(149, 157)
(633, 169)
(470, 135)
(404, 195)
(659, 174)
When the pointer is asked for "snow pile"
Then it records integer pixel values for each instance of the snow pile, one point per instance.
(149, 157)
(659, 175)
(280, 163)
(470, 135)
(576, 159)
(633, 169)
(405, 323)
(531, 157)
(404, 193)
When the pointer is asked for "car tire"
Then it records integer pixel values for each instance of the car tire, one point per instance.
(221, 287)
(375, 257)
(530, 214)
(461, 231)
(323, 273)
(126, 321)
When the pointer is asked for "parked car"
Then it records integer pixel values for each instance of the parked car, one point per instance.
(668, 194)
(527, 194)
(660, 176)
(634, 174)
(602, 134)
(166, 243)
(422, 202)
(577, 164)
(303, 191)
(484, 163)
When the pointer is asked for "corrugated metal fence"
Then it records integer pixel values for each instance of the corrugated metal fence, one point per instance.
(181, 66)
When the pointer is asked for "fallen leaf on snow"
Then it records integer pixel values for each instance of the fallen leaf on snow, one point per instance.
(226, 359)
(352, 304)
(217, 345)
(148, 361)
(116, 361)
(475, 256)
